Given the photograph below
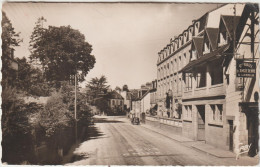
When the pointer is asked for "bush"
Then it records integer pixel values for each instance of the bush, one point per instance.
(55, 115)
(17, 139)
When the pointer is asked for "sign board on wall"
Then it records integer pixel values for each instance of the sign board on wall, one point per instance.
(246, 69)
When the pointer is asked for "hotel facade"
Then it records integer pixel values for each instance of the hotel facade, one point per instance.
(199, 70)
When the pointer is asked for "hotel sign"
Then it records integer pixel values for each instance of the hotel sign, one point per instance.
(246, 69)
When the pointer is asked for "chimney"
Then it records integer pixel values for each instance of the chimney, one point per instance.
(12, 53)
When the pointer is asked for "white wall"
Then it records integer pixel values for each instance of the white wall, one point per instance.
(145, 103)
(214, 16)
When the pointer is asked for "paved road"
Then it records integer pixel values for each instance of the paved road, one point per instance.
(124, 144)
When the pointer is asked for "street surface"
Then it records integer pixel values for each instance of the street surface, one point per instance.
(122, 143)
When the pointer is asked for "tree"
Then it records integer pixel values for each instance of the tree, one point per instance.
(62, 51)
(98, 85)
(125, 88)
(10, 39)
(118, 89)
(31, 80)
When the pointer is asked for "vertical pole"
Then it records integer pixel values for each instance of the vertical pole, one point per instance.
(252, 29)
(75, 111)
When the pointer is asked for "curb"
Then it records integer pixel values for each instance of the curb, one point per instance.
(193, 147)
(208, 153)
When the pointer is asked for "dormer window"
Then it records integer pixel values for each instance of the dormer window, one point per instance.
(223, 38)
(185, 37)
(190, 33)
(163, 55)
(176, 45)
(172, 47)
(180, 41)
(206, 47)
(197, 28)
(169, 49)
(194, 54)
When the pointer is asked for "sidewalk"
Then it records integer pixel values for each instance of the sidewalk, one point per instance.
(201, 146)
(167, 134)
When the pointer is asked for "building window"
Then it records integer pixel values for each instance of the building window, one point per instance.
(216, 74)
(175, 83)
(184, 58)
(179, 62)
(216, 113)
(168, 67)
(113, 102)
(196, 28)
(213, 109)
(201, 79)
(206, 47)
(188, 112)
(179, 85)
(188, 81)
(175, 64)
(171, 67)
(220, 112)
(223, 38)
(165, 71)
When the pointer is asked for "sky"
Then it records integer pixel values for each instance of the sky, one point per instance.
(125, 37)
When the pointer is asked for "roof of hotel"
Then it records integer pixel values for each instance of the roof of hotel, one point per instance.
(206, 57)
(229, 22)
(198, 43)
(212, 34)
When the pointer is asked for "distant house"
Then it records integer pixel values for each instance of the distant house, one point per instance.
(140, 101)
(153, 93)
(127, 100)
(115, 102)
(145, 102)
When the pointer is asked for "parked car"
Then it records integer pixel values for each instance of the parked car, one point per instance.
(135, 121)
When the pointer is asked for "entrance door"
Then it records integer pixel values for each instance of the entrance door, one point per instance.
(231, 132)
(252, 122)
(201, 122)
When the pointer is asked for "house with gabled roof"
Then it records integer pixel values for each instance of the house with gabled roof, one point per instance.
(115, 102)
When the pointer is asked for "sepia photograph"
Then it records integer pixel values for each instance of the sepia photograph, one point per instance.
(130, 83)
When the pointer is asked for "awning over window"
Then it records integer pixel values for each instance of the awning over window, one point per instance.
(207, 57)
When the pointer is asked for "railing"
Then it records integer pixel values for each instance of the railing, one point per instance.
(167, 121)
(151, 118)
(171, 121)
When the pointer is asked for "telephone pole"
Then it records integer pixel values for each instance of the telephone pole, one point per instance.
(75, 108)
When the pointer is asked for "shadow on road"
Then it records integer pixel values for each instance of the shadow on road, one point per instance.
(105, 120)
(84, 134)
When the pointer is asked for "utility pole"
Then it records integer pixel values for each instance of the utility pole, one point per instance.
(75, 108)
(252, 35)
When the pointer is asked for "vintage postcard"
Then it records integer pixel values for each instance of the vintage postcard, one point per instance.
(130, 83)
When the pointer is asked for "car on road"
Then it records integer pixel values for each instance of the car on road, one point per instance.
(135, 121)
